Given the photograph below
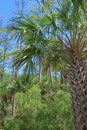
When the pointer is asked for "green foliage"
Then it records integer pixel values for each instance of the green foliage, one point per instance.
(46, 41)
(54, 112)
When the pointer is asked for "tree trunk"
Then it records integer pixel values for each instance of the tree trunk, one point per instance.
(40, 69)
(13, 106)
(43, 2)
(64, 76)
(61, 77)
(3, 110)
(78, 91)
(50, 74)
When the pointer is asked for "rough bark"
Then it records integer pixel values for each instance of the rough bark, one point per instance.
(78, 90)
(64, 76)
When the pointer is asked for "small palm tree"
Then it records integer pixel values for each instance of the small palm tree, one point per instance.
(32, 39)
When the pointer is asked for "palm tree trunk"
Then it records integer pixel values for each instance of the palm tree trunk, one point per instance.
(78, 91)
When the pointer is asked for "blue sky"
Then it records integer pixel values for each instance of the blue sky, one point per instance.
(8, 8)
(7, 11)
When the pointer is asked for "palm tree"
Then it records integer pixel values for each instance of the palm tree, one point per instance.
(31, 37)
(69, 19)
(74, 44)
